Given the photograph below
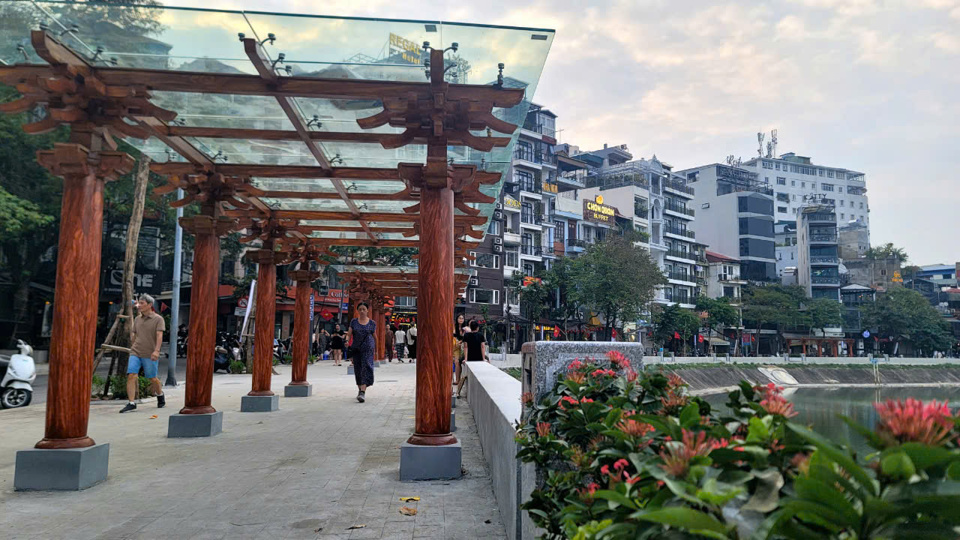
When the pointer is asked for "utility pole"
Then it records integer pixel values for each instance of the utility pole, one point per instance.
(175, 300)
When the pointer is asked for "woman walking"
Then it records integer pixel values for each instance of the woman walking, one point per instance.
(458, 328)
(362, 346)
(336, 345)
(389, 344)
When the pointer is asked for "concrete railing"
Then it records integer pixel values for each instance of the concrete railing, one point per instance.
(805, 360)
(494, 399)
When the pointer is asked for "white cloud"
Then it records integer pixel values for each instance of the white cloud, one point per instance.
(946, 42)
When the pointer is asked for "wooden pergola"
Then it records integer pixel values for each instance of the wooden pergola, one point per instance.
(296, 205)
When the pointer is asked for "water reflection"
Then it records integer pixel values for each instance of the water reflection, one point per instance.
(820, 407)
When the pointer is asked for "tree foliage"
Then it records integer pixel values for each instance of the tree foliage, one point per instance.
(820, 313)
(886, 251)
(906, 316)
(616, 278)
(673, 320)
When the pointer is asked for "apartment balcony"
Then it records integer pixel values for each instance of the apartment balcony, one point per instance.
(511, 238)
(558, 248)
(546, 220)
(576, 245)
(825, 281)
(548, 251)
(530, 220)
(532, 251)
(823, 238)
(686, 256)
(574, 179)
(641, 211)
(550, 188)
(679, 188)
(536, 158)
(827, 261)
(686, 278)
(678, 209)
(821, 217)
(531, 187)
(683, 233)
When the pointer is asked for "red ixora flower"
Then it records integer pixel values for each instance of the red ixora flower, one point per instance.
(543, 429)
(773, 401)
(567, 399)
(914, 421)
(587, 492)
(575, 365)
(633, 428)
(618, 359)
(586, 400)
(526, 398)
(676, 456)
(576, 376)
(602, 372)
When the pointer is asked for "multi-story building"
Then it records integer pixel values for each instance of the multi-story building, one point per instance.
(818, 264)
(657, 201)
(853, 240)
(785, 234)
(723, 277)
(795, 179)
(735, 215)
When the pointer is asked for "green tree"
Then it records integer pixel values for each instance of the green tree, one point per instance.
(672, 321)
(535, 300)
(776, 305)
(886, 251)
(616, 278)
(820, 313)
(907, 316)
(561, 278)
(720, 314)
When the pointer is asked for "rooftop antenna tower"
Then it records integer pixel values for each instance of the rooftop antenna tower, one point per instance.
(773, 143)
(760, 136)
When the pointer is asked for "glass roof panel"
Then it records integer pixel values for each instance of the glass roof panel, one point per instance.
(207, 41)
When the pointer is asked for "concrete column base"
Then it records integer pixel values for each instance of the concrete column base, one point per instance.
(350, 369)
(419, 462)
(68, 469)
(298, 390)
(453, 421)
(195, 425)
(260, 403)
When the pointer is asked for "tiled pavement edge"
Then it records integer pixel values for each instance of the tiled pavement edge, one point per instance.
(313, 469)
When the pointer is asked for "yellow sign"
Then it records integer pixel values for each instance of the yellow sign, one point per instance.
(598, 212)
(550, 188)
(511, 202)
(407, 49)
(599, 199)
(897, 278)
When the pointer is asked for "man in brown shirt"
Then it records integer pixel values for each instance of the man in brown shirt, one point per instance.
(145, 352)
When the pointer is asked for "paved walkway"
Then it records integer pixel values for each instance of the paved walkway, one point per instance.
(313, 469)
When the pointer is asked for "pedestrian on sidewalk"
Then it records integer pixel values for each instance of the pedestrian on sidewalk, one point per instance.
(476, 350)
(362, 347)
(412, 342)
(389, 343)
(147, 336)
(400, 338)
(336, 345)
(459, 327)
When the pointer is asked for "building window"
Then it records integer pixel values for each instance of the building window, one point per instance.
(777, 165)
(781, 181)
(512, 259)
(494, 228)
(840, 189)
(826, 187)
(793, 197)
(841, 202)
(861, 205)
(842, 215)
(820, 172)
(782, 209)
(793, 183)
(484, 296)
(829, 174)
(767, 165)
(560, 231)
(813, 186)
(803, 184)
(485, 260)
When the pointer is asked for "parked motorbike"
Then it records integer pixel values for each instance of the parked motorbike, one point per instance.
(281, 348)
(17, 373)
(221, 356)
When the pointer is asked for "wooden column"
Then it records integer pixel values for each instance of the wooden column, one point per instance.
(206, 229)
(301, 327)
(376, 315)
(72, 342)
(266, 317)
(435, 316)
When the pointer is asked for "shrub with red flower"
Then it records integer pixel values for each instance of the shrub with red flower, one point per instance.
(543, 429)
(577, 377)
(567, 399)
(618, 360)
(677, 455)
(912, 420)
(603, 373)
(526, 398)
(773, 401)
(633, 428)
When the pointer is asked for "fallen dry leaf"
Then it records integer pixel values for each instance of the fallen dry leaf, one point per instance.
(350, 528)
(153, 417)
(407, 511)
(409, 499)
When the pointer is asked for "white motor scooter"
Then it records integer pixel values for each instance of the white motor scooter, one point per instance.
(17, 374)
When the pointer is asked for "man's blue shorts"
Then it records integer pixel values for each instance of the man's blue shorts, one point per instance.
(149, 366)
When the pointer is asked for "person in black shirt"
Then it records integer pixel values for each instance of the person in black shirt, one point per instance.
(475, 348)
(336, 345)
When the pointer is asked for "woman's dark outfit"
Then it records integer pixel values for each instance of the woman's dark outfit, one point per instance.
(364, 347)
(474, 341)
(336, 341)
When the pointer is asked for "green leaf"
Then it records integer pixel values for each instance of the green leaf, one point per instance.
(925, 456)
(615, 499)
(826, 494)
(924, 531)
(690, 416)
(953, 471)
(759, 430)
(841, 457)
(898, 465)
(767, 495)
(872, 438)
(685, 518)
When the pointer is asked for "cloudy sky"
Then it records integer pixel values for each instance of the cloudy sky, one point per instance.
(870, 85)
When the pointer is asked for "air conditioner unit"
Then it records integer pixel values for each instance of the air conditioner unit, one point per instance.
(498, 215)
(474, 282)
(497, 248)
(497, 241)
(499, 206)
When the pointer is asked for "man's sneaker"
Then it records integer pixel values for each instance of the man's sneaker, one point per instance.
(129, 407)
(161, 401)
(361, 397)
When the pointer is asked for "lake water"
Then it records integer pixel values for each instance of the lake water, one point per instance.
(820, 407)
